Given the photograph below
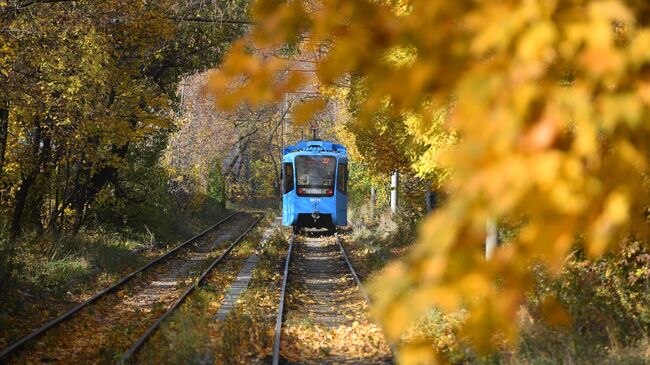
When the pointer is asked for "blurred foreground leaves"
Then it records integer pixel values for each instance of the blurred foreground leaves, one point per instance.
(549, 101)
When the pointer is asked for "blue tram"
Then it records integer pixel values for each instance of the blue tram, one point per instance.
(315, 185)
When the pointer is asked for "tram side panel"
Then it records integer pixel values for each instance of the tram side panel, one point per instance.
(342, 193)
(288, 194)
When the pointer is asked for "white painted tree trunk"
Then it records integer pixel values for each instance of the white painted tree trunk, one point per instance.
(394, 185)
(373, 200)
(491, 238)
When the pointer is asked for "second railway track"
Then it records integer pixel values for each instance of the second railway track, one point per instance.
(98, 330)
(322, 315)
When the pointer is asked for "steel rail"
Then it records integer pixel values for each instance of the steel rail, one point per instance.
(354, 272)
(65, 316)
(278, 321)
(393, 349)
(137, 345)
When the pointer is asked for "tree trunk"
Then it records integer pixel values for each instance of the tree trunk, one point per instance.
(95, 183)
(79, 204)
(277, 178)
(394, 185)
(19, 207)
(69, 194)
(373, 200)
(491, 238)
(26, 183)
(41, 183)
(4, 132)
(80, 217)
(252, 188)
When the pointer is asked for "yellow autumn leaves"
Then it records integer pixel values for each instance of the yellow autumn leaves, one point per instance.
(549, 100)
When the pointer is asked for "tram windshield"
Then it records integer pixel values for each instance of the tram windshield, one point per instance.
(315, 175)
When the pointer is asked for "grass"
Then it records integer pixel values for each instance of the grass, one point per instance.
(192, 336)
(50, 275)
(74, 263)
(295, 319)
(375, 242)
(243, 335)
(44, 275)
(185, 337)
(246, 335)
(609, 304)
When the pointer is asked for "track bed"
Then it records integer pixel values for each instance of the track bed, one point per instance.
(99, 332)
(325, 318)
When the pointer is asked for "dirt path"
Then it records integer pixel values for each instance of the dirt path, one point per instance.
(99, 333)
(326, 318)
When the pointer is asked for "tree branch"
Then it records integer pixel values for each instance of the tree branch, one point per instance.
(209, 20)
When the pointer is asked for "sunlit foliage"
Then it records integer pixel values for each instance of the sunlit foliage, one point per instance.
(549, 101)
(87, 101)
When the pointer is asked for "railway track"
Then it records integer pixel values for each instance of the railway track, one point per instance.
(321, 291)
(144, 298)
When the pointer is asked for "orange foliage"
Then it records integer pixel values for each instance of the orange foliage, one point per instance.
(549, 100)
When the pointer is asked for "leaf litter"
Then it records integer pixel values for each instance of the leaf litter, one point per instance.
(100, 332)
(327, 318)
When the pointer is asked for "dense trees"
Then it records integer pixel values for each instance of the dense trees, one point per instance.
(88, 93)
(248, 137)
(532, 111)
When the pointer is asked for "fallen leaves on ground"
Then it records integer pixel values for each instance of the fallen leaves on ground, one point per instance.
(327, 318)
(100, 332)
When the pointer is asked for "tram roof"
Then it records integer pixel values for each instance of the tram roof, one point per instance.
(316, 146)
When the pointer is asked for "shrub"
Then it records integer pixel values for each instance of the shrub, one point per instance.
(609, 304)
